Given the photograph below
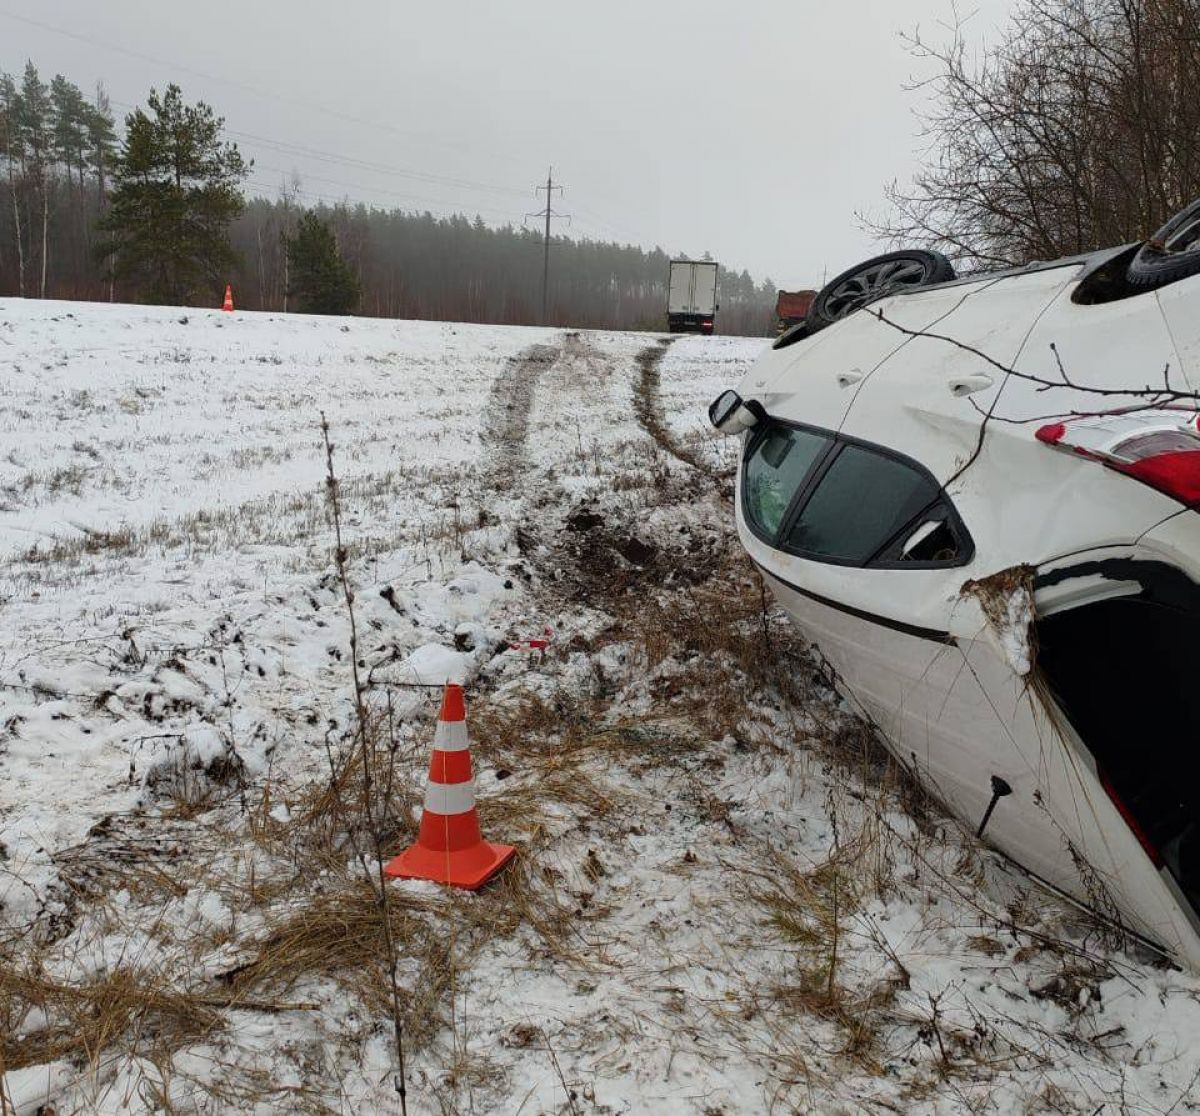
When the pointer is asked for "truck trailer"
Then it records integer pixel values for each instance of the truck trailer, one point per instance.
(692, 296)
(791, 308)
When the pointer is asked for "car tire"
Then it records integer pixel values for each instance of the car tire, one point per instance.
(1171, 254)
(876, 278)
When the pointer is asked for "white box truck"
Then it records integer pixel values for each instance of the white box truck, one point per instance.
(692, 296)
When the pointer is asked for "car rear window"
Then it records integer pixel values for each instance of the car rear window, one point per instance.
(778, 463)
(861, 502)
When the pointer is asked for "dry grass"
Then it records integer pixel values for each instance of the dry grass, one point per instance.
(812, 908)
(728, 649)
(334, 935)
(134, 1021)
(126, 1006)
(327, 932)
(278, 519)
(329, 816)
(563, 732)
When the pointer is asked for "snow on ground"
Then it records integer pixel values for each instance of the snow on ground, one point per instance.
(725, 900)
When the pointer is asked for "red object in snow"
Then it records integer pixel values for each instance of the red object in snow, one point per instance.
(533, 644)
(228, 304)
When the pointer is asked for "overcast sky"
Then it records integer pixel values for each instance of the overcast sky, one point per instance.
(752, 130)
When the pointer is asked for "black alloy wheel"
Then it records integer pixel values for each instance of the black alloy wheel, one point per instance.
(874, 279)
(1171, 254)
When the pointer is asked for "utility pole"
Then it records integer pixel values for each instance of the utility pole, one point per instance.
(547, 213)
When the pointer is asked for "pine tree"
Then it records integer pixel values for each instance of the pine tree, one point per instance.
(320, 279)
(12, 138)
(175, 197)
(101, 141)
(36, 117)
(70, 126)
(70, 150)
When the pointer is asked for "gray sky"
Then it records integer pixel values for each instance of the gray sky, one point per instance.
(752, 130)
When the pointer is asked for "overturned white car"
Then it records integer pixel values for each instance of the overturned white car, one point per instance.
(978, 498)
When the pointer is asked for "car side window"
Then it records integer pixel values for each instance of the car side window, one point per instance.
(863, 501)
(779, 461)
(934, 537)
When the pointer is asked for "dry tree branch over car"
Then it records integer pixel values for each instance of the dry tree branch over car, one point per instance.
(1075, 131)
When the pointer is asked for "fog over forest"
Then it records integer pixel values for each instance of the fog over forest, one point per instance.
(58, 149)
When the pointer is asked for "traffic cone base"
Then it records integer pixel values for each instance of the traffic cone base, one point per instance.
(467, 868)
(449, 848)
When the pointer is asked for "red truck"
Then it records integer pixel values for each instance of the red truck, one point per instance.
(791, 308)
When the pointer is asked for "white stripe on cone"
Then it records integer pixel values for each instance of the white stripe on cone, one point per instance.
(450, 736)
(450, 798)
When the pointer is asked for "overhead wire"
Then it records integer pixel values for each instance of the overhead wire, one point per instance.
(437, 202)
(305, 151)
(249, 87)
(286, 147)
(449, 210)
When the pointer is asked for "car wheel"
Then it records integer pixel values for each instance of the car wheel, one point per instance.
(1171, 253)
(876, 278)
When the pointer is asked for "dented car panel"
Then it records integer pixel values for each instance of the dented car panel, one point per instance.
(989, 633)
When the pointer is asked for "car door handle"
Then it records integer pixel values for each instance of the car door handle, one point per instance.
(968, 385)
(845, 379)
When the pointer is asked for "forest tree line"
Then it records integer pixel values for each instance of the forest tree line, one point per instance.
(59, 150)
(417, 265)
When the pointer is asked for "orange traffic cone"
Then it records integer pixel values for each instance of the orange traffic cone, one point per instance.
(228, 298)
(449, 848)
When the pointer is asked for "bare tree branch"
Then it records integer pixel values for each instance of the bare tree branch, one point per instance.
(1076, 130)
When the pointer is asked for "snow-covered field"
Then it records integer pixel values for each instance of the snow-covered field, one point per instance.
(724, 901)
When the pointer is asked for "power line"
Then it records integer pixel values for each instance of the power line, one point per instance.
(391, 193)
(548, 214)
(286, 146)
(603, 228)
(258, 91)
(336, 200)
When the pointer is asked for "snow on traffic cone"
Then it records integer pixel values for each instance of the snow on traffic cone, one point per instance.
(449, 848)
(228, 306)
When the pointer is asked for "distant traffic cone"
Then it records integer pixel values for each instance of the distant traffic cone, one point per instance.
(449, 848)
(228, 299)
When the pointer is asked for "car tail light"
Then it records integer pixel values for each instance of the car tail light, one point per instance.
(1177, 474)
(1160, 448)
(1052, 434)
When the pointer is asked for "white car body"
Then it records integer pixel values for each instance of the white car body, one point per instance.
(1063, 551)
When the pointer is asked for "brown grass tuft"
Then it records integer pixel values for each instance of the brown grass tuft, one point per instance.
(84, 1018)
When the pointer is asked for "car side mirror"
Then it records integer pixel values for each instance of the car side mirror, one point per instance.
(729, 414)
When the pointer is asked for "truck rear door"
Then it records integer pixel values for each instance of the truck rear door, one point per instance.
(680, 301)
(704, 296)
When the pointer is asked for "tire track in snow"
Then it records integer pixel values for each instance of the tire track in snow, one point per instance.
(647, 403)
(506, 426)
